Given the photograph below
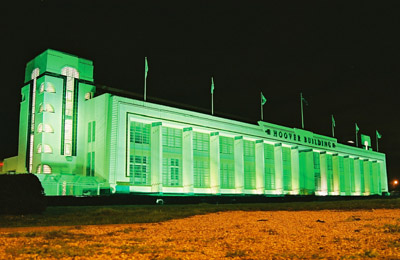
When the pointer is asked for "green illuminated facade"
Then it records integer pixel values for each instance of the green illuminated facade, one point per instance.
(79, 144)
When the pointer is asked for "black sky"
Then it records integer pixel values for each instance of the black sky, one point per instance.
(343, 56)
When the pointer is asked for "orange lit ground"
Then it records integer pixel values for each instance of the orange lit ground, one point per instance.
(230, 235)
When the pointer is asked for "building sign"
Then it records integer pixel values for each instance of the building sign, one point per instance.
(298, 136)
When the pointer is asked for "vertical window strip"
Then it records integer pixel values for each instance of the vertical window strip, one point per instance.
(70, 101)
(287, 168)
(139, 168)
(249, 164)
(269, 158)
(92, 169)
(317, 171)
(201, 160)
(34, 75)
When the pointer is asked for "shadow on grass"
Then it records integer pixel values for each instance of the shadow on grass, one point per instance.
(126, 214)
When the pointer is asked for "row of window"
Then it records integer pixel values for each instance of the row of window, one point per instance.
(139, 166)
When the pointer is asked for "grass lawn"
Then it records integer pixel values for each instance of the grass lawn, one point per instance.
(98, 215)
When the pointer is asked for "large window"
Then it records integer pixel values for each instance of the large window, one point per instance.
(227, 163)
(287, 168)
(249, 164)
(201, 160)
(172, 156)
(269, 160)
(317, 171)
(329, 164)
(341, 174)
(139, 160)
(172, 174)
(70, 104)
(140, 167)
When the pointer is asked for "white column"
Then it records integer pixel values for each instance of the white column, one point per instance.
(156, 157)
(278, 168)
(295, 164)
(260, 167)
(357, 177)
(214, 163)
(187, 156)
(239, 164)
(324, 173)
(335, 172)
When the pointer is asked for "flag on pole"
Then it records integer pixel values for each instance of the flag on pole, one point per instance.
(146, 67)
(333, 121)
(263, 99)
(378, 135)
(357, 128)
(212, 85)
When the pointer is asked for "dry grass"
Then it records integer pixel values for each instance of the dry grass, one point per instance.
(327, 234)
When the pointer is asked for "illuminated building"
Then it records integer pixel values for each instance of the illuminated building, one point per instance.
(77, 144)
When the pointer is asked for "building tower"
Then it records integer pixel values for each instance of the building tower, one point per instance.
(56, 85)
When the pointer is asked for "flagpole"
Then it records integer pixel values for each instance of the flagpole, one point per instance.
(356, 136)
(145, 77)
(262, 108)
(212, 103)
(301, 106)
(333, 130)
(212, 95)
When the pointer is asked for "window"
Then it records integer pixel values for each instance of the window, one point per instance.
(91, 131)
(48, 128)
(41, 89)
(317, 171)
(139, 133)
(69, 99)
(201, 141)
(39, 168)
(287, 168)
(88, 95)
(47, 149)
(140, 167)
(249, 150)
(39, 148)
(40, 128)
(40, 108)
(49, 108)
(269, 160)
(172, 137)
(201, 160)
(46, 168)
(90, 164)
(172, 172)
(227, 175)
(226, 145)
(50, 88)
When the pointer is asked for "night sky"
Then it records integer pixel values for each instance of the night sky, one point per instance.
(343, 56)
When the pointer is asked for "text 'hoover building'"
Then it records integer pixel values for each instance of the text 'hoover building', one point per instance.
(80, 144)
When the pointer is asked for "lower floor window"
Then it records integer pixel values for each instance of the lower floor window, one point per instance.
(139, 168)
(172, 172)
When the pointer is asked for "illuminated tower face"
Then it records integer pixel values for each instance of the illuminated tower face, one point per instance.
(56, 87)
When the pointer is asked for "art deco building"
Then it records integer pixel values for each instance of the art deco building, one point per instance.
(79, 143)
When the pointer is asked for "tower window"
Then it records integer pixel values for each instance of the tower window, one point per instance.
(50, 88)
(49, 108)
(39, 148)
(46, 168)
(47, 149)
